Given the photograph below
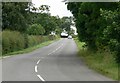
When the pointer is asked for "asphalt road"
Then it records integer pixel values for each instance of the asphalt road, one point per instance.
(55, 62)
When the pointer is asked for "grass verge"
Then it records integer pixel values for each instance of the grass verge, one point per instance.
(27, 50)
(102, 62)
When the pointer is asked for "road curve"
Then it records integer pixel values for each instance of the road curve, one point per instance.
(55, 62)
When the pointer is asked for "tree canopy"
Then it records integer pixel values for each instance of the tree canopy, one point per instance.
(98, 25)
(19, 16)
(15, 16)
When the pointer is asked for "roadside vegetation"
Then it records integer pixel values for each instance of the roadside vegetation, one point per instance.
(101, 61)
(25, 27)
(98, 26)
(14, 41)
(30, 49)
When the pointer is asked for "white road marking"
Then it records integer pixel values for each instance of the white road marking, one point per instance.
(38, 62)
(40, 78)
(49, 53)
(55, 49)
(59, 47)
(36, 68)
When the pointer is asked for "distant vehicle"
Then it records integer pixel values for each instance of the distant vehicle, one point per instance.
(64, 35)
(69, 37)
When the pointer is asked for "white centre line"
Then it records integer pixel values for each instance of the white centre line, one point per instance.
(38, 62)
(50, 53)
(55, 49)
(36, 68)
(40, 78)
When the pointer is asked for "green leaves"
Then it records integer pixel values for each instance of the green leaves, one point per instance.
(98, 25)
(36, 29)
(14, 16)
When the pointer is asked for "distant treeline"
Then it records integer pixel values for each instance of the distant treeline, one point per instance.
(20, 16)
(24, 25)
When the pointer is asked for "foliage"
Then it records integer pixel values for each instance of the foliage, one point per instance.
(66, 23)
(12, 41)
(35, 40)
(14, 16)
(41, 9)
(24, 25)
(19, 16)
(51, 23)
(101, 61)
(35, 29)
(98, 25)
(111, 31)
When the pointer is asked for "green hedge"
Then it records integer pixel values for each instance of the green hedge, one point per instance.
(14, 41)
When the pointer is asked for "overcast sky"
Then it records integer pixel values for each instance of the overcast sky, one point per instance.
(57, 7)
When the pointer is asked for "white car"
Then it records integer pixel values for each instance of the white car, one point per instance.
(69, 37)
(65, 35)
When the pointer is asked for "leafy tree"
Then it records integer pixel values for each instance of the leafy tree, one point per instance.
(66, 23)
(111, 31)
(15, 16)
(36, 29)
(98, 25)
(51, 23)
(87, 16)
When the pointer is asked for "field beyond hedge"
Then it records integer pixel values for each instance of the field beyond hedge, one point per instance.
(15, 41)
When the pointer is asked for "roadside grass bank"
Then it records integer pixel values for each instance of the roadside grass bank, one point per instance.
(30, 49)
(102, 62)
(14, 42)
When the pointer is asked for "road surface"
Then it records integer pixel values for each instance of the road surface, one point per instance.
(55, 62)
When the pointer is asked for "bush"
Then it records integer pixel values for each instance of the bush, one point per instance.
(34, 40)
(12, 41)
(36, 29)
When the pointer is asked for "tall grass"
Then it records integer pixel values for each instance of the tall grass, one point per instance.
(101, 61)
(34, 40)
(14, 41)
